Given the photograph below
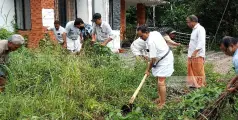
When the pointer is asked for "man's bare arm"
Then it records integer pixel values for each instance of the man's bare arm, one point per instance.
(64, 39)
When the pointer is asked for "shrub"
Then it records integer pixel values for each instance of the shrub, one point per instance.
(4, 33)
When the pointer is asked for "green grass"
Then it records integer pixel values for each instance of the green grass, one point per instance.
(46, 83)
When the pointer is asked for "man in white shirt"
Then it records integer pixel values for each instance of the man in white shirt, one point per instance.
(138, 48)
(196, 53)
(161, 59)
(74, 41)
(102, 31)
(59, 32)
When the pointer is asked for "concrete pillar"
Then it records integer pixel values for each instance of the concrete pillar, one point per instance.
(140, 14)
(116, 14)
(123, 19)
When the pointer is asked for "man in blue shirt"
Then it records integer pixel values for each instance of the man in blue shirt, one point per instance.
(86, 30)
(229, 46)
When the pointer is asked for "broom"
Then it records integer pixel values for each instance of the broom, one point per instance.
(212, 111)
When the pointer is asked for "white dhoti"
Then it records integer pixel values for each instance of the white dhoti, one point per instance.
(74, 45)
(115, 44)
(165, 67)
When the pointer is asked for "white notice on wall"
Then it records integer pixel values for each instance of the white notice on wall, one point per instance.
(48, 17)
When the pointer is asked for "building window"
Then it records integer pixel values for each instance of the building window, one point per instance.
(23, 14)
(65, 11)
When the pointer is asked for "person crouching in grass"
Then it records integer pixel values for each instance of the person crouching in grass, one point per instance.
(6, 46)
(59, 32)
(138, 48)
(229, 46)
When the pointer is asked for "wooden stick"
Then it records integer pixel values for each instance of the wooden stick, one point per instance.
(138, 89)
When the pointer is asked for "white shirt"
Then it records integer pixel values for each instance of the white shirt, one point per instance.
(103, 32)
(72, 32)
(58, 33)
(197, 41)
(138, 47)
(157, 45)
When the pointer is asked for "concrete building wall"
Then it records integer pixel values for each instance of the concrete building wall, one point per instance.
(102, 7)
(82, 10)
(7, 14)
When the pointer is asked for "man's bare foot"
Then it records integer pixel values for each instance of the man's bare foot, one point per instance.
(2, 89)
(121, 50)
(160, 105)
(156, 101)
(2, 84)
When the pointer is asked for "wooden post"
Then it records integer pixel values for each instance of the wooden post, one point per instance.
(123, 20)
(140, 14)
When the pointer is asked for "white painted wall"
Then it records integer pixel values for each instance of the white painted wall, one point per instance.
(102, 7)
(7, 12)
(90, 11)
(82, 10)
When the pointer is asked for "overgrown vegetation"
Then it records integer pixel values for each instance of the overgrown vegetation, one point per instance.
(47, 83)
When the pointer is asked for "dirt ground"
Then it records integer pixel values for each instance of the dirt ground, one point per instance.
(222, 63)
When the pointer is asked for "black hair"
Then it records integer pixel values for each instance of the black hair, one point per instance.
(193, 18)
(97, 16)
(57, 22)
(228, 41)
(169, 31)
(78, 21)
(143, 29)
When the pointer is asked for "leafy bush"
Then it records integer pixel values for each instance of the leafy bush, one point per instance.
(4, 33)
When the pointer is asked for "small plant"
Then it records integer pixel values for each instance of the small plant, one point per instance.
(100, 55)
(4, 33)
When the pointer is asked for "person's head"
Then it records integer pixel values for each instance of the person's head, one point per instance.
(57, 24)
(97, 18)
(143, 32)
(229, 45)
(192, 20)
(78, 23)
(171, 33)
(15, 41)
